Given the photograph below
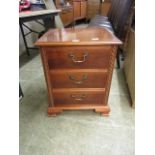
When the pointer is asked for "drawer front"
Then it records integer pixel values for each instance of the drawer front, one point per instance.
(78, 57)
(90, 78)
(78, 96)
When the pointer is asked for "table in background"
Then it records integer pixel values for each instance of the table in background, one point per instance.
(35, 14)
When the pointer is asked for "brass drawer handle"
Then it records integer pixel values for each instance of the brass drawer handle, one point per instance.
(73, 78)
(72, 56)
(79, 98)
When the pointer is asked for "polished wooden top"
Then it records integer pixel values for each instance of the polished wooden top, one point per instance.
(78, 36)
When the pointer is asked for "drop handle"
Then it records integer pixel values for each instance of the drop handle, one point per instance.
(78, 97)
(72, 56)
(73, 78)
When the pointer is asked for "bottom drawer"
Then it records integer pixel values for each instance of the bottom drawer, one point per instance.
(78, 96)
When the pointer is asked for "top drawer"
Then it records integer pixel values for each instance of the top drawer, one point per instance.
(86, 57)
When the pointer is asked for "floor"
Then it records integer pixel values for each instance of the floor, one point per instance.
(72, 132)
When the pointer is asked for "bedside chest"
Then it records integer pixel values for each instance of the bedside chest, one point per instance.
(78, 66)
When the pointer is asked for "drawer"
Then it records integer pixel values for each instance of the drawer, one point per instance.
(83, 78)
(78, 96)
(85, 57)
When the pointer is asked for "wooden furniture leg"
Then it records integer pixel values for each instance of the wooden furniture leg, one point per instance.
(53, 111)
(104, 111)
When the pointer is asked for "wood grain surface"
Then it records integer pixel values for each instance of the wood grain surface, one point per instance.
(78, 66)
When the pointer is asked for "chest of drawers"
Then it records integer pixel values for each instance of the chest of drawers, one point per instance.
(78, 66)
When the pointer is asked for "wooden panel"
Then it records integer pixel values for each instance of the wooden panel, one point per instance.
(78, 96)
(129, 65)
(93, 8)
(105, 7)
(90, 57)
(78, 36)
(83, 9)
(83, 78)
(77, 10)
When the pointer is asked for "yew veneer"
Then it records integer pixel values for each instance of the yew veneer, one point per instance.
(78, 66)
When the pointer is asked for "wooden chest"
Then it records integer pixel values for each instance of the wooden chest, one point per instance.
(78, 66)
